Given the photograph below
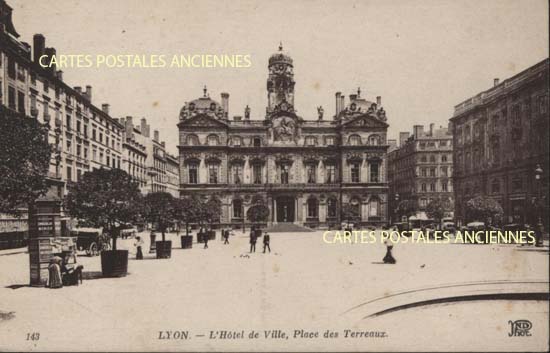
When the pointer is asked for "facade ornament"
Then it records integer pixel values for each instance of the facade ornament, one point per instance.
(320, 112)
(247, 112)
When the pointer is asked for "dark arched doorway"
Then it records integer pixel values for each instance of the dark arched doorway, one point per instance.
(285, 209)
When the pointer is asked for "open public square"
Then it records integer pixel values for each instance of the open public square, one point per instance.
(225, 291)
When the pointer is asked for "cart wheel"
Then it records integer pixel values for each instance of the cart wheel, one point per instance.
(93, 249)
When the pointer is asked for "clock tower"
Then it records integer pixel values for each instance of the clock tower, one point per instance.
(280, 82)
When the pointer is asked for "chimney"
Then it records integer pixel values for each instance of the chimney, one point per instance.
(403, 137)
(378, 101)
(105, 108)
(163, 144)
(432, 129)
(78, 89)
(225, 104)
(89, 92)
(237, 118)
(39, 45)
(338, 107)
(27, 50)
(129, 125)
(59, 75)
(342, 102)
(145, 131)
(417, 131)
(156, 136)
(496, 81)
(50, 52)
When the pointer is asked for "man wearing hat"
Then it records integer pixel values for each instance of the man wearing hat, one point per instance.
(266, 242)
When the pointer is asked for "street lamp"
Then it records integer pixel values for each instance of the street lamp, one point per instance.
(539, 204)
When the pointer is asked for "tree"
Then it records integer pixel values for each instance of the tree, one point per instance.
(159, 210)
(350, 213)
(24, 161)
(258, 213)
(407, 208)
(211, 210)
(106, 198)
(187, 210)
(484, 209)
(437, 209)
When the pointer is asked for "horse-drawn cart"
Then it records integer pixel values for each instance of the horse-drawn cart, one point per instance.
(91, 240)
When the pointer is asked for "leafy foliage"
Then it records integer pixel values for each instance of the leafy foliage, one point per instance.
(437, 209)
(24, 161)
(350, 213)
(482, 208)
(258, 213)
(407, 208)
(159, 209)
(105, 198)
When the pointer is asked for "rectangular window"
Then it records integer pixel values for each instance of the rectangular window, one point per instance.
(213, 173)
(310, 172)
(78, 150)
(69, 174)
(78, 125)
(237, 174)
(11, 98)
(374, 173)
(444, 186)
(330, 173)
(257, 173)
(355, 172)
(193, 174)
(330, 141)
(284, 173)
(444, 171)
(68, 123)
(21, 102)
(108, 160)
(432, 172)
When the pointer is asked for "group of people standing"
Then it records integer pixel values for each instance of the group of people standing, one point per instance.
(254, 234)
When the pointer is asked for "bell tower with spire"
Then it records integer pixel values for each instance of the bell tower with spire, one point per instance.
(280, 82)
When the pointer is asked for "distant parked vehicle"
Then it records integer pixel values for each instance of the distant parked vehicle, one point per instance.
(91, 240)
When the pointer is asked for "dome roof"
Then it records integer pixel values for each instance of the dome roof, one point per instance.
(202, 105)
(280, 57)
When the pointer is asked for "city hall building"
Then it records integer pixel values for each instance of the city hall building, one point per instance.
(304, 169)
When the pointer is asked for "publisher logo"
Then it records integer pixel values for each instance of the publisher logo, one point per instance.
(520, 328)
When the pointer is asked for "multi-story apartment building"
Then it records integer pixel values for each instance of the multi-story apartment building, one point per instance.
(85, 137)
(304, 171)
(421, 168)
(501, 145)
(172, 175)
(146, 159)
(134, 160)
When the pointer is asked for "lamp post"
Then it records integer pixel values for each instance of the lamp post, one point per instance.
(539, 205)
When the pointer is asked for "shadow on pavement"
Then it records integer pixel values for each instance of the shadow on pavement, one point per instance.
(17, 286)
(87, 275)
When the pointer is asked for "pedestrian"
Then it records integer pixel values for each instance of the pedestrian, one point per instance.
(205, 239)
(388, 259)
(226, 236)
(139, 251)
(266, 242)
(252, 240)
(54, 273)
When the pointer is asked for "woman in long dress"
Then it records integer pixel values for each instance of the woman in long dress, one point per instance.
(54, 274)
(389, 259)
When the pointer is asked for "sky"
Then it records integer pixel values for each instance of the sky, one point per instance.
(422, 56)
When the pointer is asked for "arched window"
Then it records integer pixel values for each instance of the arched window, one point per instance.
(311, 141)
(355, 208)
(374, 140)
(192, 140)
(312, 208)
(374, 207)
(237, 208)
(331, 208)
(355, 140)
(423, 159)
(236, 141)
(213, 140)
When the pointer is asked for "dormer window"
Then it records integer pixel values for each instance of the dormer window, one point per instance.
(310, 141)
(355, 140)
(256, 142)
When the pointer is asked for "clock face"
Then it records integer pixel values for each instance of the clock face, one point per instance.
(280, 67)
